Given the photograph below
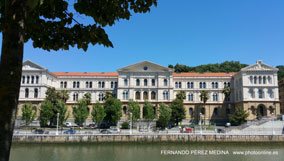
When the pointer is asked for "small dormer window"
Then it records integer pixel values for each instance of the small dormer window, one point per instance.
(145, 68)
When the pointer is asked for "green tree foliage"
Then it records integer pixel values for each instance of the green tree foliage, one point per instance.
(239, 117)
(227, 66)
(204, 96)
(227, 92)
(178, 111)
(52, 105)
(280, 72)
(112, 108)
(81, 112)
(28, 113)
(50, 25)
(148, 111)
(98, 113)
(134, 108)
(165, 113)
(63, 95)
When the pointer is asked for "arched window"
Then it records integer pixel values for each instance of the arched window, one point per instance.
(225, 84)
(35, 93)
(190, 97)
(251, 79)
(125, 95)
(213, 85)
(75, 96)
(260, 93)
(101, 96)
(103, 84)
(204, 85)
(269, 79)
(87, 84)
(145, 82)
(153, 95)
(215, 97)
(137, 95)
(259, 80)
(37, 79)
(153, 82)
(32, 79)
(216, 85)
(28, 79)
(100, 84)
(252, 93)
(179, 85)
(23, 79)
(137, 82)
(111, 85)
(61, 84)
(216, 111)
(166, 95)
(191, 85)
(264, 79)
(115, 84)
(165, 82)
(255, 80)
(78, 84)
(90, 84)
(74, 84)
(26, 93)
(145, 95)
(125, 82)
(190, 111)
(176, 84)
(270, 93)
(65, 84)
(229, 84)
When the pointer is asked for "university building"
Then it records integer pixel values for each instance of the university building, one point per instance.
(253, 88)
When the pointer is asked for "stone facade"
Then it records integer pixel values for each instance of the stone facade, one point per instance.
(254, 88)
(281, 95)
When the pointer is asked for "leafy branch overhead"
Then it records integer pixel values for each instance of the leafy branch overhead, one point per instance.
(51, 24)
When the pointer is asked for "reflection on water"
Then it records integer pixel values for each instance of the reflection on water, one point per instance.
(145, 152)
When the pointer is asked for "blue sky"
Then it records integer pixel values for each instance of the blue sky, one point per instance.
(190, 32)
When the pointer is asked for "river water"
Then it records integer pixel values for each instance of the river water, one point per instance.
(149, 152)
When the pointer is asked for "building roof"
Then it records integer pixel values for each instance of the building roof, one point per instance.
(86, 74)
(194, 74)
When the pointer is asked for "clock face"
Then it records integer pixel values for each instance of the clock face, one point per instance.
(145, 68)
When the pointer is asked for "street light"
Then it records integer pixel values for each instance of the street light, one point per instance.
(57, 120)
(130, 123)
(200, 123)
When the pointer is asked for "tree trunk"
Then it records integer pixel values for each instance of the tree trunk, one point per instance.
(10, 71)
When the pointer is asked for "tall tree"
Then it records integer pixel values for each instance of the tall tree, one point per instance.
(227, 92)
(112, 108)
(98, 113)
(50, 25)
(28, 113)
(239, 117)
(63, 95)
(165, 113)
(80, 112)
(178, 111)
(148, 113)
(134, 108)
(204, 96)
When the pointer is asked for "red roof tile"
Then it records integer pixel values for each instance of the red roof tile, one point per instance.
(192, 74)
(86, 74)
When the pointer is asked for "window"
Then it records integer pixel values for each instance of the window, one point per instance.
(101, 97)
(87, 84)
(252, 93)
(189, 84)
(37, 79)
(153, 95)
(166, 95)
(65, 84)
(190, 111)
(35, 93)
(165, 82)
(137, 82)
(111, 84)
(153, 82)
(251, 79)
(178, 84)
(259, 80)
(103, 84)
(145, 82)
(23, 79)
(202, 85)
(215, 97)
(125, 82)
(269, 80)
(145, 95)
(74, 84)
(216, 111)
(190, 97)
(90, 84)
(125, 95)
(61, 84)
(260, 93)
(137, 95)
(264, 79)
(254, 79)
(270, 93)
(78, 84)
(115, 84)
(26, 93)
(28, 79)
(32, 79)
(75, 97)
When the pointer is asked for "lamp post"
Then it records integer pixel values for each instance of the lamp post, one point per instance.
(200, 123)
(57, 120)
(130, 123)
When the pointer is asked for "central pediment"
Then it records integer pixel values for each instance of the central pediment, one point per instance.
(29, 65)
(145, 66)
(259, 66)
